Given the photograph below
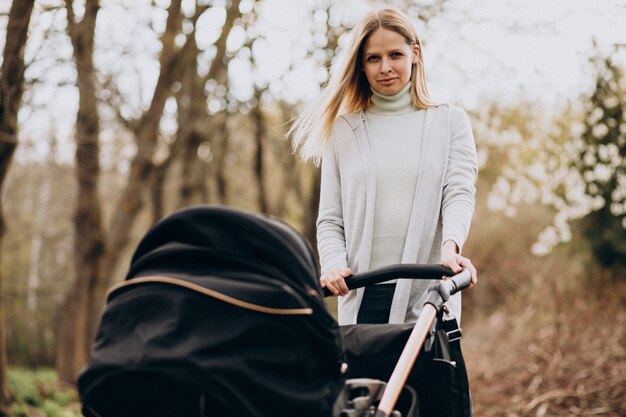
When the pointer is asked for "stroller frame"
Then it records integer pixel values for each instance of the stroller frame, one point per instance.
(439, 293)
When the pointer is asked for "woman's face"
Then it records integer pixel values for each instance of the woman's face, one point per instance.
(387, 61)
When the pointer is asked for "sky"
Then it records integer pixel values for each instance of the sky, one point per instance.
(476, 51)
(537, 49)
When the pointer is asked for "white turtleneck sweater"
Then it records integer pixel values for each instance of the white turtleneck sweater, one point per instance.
(395, 129)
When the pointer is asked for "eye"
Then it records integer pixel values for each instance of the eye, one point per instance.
(372, 58)
(396, 54)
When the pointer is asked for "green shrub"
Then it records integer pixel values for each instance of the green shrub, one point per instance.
(38, 393)
(23, 384)
(18, 409)
(52, 409)
(64, 397)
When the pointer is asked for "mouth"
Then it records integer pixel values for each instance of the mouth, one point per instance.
(387, 81)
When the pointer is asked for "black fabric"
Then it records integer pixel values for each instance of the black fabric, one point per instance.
(449, 393)
(236, 361)
(443, 389)
(221, 242)
(376, 304)
(225, 353)
(147, 393)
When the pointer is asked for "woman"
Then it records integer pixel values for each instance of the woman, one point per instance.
(398, 172)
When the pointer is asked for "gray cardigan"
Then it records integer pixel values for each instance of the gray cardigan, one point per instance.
(442, 209)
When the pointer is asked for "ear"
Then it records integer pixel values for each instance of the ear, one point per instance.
(416, 52)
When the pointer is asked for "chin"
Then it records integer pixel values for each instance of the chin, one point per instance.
(388, 91)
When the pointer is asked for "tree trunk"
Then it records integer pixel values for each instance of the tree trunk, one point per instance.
(82, 306)
(35, 267)
(92, 286)
(220, 148)
(11, 89)
(194, 187)
(97, 261)
(291, 178)
(219, 122)
(157, 185)
(259, 159)
(192, 190)
(310, 218)
(172, 63)
(192, 114)
(197, 126)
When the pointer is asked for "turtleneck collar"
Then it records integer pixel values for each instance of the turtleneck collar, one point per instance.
(396, 104)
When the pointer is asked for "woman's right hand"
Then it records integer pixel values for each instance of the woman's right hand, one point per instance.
(334, 280)
(453, 260)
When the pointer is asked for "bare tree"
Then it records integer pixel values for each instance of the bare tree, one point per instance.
(195, 125)
(186, 140)
(11, 90)
(220, 149)
(42, 205)
(84, 302)
(260, 138)
(310, 211)
(99, 254)
(172, 62)
(267, 144)
(79, 312)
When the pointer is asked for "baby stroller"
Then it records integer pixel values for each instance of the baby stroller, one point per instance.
(221, 314)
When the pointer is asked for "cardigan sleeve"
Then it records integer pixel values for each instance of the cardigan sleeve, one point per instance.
(459, 189)
(331, 241)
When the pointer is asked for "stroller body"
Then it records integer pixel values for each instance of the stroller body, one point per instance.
(221, 314)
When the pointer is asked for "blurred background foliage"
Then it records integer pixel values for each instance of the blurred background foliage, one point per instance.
(191, 102)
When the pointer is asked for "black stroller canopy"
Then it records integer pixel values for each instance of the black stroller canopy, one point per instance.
(252, 258)
(221, 314)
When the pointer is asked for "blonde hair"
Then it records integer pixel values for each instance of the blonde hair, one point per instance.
(349, 91)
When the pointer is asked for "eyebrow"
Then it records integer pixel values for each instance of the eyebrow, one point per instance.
(366, 53)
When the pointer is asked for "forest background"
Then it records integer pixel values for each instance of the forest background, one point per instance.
(115, 113)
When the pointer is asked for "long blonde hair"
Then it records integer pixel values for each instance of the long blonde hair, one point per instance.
(349, 91)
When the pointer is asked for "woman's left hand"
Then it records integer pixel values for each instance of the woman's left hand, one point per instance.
(456, 262)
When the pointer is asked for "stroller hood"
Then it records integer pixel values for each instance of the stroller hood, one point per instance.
(255, 259)
(223, 306)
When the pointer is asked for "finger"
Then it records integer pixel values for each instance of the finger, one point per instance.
(460, 261)
(455, 265)
(328, 284)
(339, 283)
(323, 282)
(343, 287)
(474, 274)
(467, 263)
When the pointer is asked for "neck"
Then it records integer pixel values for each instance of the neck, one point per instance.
(395, 104)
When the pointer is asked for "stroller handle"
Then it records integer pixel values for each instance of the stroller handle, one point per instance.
(411, 271)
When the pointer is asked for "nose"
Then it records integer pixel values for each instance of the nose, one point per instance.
(385, 65)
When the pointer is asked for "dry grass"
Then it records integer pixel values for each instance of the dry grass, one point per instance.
(543, 336)
(522, 364)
